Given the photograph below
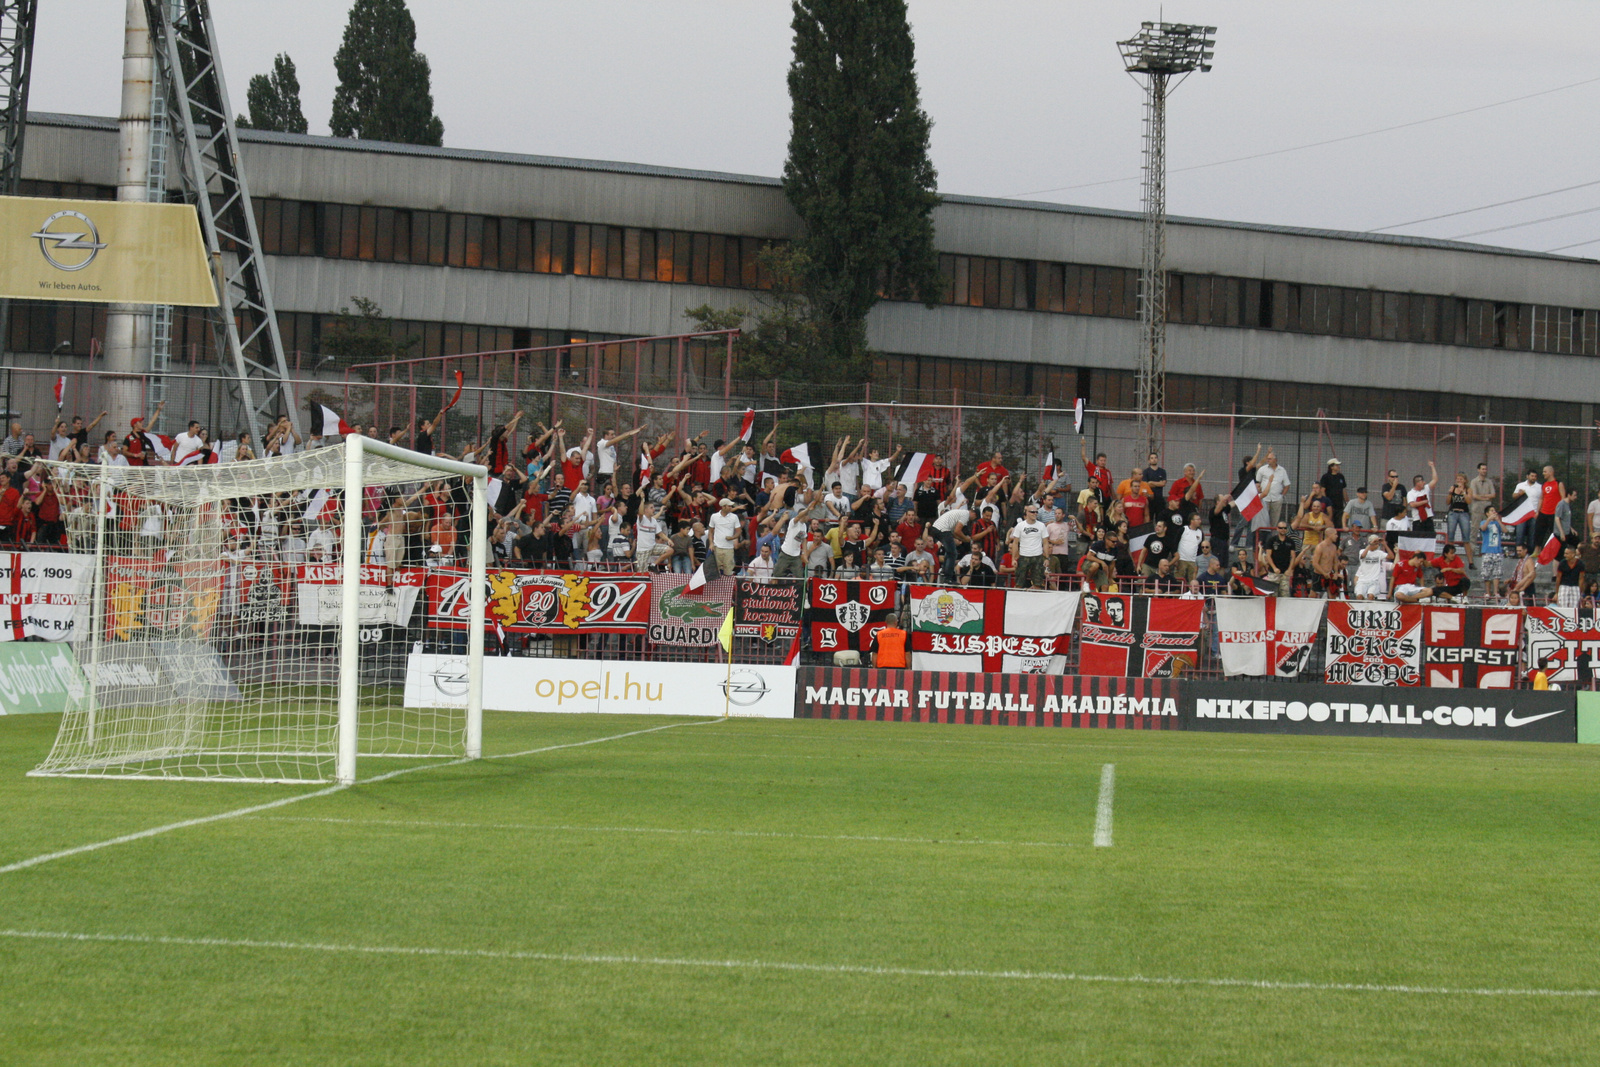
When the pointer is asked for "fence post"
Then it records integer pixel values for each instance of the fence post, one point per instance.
(683, 416)
(955, 459)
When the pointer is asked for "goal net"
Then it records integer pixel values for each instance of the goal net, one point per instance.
(222, 636)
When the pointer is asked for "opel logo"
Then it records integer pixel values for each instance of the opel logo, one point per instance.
(71, 232)
(745, 688)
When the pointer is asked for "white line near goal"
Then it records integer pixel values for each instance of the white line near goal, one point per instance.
(804, 968)
(1102, 811)
(236, 813)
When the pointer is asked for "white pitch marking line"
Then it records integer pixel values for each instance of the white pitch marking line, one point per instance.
(670, 830)
(1102, 810)
(778, 965)
(154, 831)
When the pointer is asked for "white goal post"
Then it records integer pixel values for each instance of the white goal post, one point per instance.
(252, 621)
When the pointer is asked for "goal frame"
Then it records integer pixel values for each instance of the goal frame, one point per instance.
(357, 447)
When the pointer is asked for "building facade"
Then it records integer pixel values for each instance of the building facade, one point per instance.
(478, 251)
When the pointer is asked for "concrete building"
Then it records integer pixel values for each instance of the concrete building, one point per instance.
(474, 251)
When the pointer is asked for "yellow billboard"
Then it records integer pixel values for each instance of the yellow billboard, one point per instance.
(103, 251)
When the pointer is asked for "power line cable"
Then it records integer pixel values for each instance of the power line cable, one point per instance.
(1575, 244)
(1485, 207)
(1520, 225)
(1315, 144)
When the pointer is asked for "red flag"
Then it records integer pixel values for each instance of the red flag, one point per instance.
(460, 382)
(793, 655)
(61, 391)
(747, 425)
(1552, 549)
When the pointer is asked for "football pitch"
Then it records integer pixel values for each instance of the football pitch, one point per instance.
(816, 892)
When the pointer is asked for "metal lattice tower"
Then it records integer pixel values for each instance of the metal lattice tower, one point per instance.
(1160, 51)
(155, 193)
(213, 179)
(16, 61)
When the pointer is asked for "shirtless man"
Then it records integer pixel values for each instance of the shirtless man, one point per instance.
(1328, 563)
(1522, 577)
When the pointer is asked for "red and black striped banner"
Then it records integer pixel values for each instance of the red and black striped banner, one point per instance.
(987, 699)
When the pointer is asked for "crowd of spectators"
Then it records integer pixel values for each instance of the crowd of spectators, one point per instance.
(620, 499)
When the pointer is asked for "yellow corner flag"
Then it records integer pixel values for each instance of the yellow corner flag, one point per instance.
(725, 634)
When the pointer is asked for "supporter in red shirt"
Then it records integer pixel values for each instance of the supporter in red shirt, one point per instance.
(10, 510)
(1408, 569)
(1550, 494)
(938, 474)
(910, 528)
(1452, 571)
(1099, 474)
(992, 471)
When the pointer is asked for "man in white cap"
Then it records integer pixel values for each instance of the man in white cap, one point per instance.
(1333, 484)
(725, 535)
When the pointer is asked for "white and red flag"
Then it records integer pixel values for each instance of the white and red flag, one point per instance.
(747, 425)
(1077, 416)
(326, 422)
(1523, 512)
(1247, 498)
(1048, 475)
(799, 455)
(61, 391)
(911, 474)
(1267, 637)
(1551, 549)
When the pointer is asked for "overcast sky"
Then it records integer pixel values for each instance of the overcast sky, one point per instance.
(1027, 97)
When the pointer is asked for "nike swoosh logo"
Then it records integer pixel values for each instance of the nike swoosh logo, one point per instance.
(1513, 720)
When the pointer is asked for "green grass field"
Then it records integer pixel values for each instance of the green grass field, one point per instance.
(777, 892)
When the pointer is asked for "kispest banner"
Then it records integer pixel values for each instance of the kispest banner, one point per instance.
(1138, 636)
(845, 614)
(1008, 631)
(679, 617)
(1562, 644)
(103, 251)
(544, 602)
(1470, 648)
(385, 598)
(767, 611)
(1266, 636)
(40, 593)
(1373, 642)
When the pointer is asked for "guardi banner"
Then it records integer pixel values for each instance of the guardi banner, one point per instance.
(103, 251)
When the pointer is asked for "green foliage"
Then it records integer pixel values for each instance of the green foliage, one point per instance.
(365, 335)
(782, 337)
(274, 100)
(858, 172)
(384, 89)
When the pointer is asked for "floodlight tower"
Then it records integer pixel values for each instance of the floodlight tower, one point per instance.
(1160, 51)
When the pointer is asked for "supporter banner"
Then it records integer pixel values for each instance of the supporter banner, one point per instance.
(1138, 637)
(1562, 644)
(1374, 642)
(995, 630)
(387, 598)
(845, 615)
(261, 593)
(40, 592)
(767, 611)
(151, 599)
(1470, 648)
(528, 683)
(103, 250)
(1266, 636)
(1377, 711)
(987, 699)
(131, 673)
(678, 617)
(37, 677)
(538, 602)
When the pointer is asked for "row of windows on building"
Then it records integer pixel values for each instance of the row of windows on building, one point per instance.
(623, 367)
(541, 246)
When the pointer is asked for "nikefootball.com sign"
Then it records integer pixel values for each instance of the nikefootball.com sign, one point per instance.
(1376, 711)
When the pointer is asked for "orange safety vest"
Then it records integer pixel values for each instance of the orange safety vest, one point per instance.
(891, 647)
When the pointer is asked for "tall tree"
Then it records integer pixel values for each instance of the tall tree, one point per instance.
(384, 89)
(858, 172)
(274, 99)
